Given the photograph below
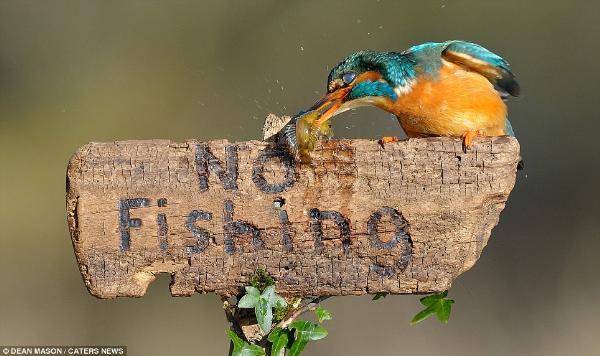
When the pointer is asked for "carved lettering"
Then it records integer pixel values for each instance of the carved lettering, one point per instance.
(163, 226)
(284, 224)
(232, 229)
(202, 235)
(259, 167)
(400, 236)
(316, 227)
(205, 160)
(126, 223)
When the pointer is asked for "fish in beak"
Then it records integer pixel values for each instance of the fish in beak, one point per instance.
(336, 101)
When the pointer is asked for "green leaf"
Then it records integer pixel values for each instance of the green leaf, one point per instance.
(268, 293)
(322, 314)
(248, 301)
(277, 301)
(252, 291)
(305, 332)
(443, 313)
(308, 330)
(422, 315)
(380, 295)
(263, 304)
(264, 314)
(431, 299)
(279, 338)
(237, 341)
(243, 348)
(436, 304)
(297, 347)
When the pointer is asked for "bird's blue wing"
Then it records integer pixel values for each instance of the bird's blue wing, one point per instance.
(476, 58)
(477, 52)
(509, 129)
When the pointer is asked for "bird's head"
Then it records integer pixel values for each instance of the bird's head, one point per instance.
(361, 79)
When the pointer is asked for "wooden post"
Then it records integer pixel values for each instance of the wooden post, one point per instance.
(360, 218)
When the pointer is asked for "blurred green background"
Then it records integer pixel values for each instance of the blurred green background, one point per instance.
(79, 71)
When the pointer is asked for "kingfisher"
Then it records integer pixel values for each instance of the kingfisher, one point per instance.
(453, 88)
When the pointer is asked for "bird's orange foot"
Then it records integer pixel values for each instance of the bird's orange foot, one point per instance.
(468, 139)
(388, 139)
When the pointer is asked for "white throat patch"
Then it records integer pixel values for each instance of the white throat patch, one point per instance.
(404, 89)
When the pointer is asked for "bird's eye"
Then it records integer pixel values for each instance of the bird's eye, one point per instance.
(347, 78)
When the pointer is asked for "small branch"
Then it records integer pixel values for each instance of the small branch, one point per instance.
(312, 305)
(232, 319)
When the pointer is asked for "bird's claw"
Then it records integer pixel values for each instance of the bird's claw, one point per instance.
(387, 139)
(468, 138)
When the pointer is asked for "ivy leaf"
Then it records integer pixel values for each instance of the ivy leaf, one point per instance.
(252, 291)
(264, 314)
(445, 310)
(433, 298)
(322, 314)
(277, 301)
(309, 331)
(279, 338)
(380, 295)
(305, 332)
(243, 348)
(422, 315)
(268, 293)
(263, 304)
(274, 299)
(436, 304)
(248, 300)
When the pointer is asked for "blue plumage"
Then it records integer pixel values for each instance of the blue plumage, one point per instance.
(476, 57)
(370, 88)
(509, 128)
(395, 68)
(478, 52)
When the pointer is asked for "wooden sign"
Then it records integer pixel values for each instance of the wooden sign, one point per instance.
(360, 218)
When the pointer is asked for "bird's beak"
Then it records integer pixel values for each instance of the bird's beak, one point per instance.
(331, 103)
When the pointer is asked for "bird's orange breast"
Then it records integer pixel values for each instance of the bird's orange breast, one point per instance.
(450, 104)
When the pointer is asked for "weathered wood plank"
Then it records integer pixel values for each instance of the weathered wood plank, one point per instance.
(359, 219)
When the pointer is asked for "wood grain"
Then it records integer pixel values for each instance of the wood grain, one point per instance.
(358, 219)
